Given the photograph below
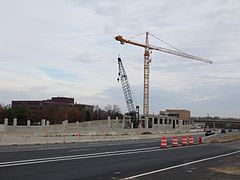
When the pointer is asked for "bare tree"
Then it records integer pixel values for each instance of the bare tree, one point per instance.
(113, 110)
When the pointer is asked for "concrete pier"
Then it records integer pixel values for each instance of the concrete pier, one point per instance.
(109, 122)
(14, 122)
(28, 123)
(43, 122)
(5, 121)
(66, 123)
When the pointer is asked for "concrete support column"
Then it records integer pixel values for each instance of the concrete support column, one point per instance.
(146, 122)
(77, 123)
(109, 122)
(152, 122)
(43, 122)
(63, 123)
(158, 122)
(180, 124)
(117, 118)
(66, 123)
(131, 125)
(123, 123)
(14, 122)
(47, 123)
(5, 121)
(28, 123)
(214, 125)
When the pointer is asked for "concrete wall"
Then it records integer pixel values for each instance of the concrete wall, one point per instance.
(100, 127)
(2, 127)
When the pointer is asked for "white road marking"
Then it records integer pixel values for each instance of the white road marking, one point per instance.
(139, 145)
(27, 147)
(77, 150)
(87, 156)
(114, 144)
(50, 148)
(181, 165)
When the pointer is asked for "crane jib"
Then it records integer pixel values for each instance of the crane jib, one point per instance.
(169, 51)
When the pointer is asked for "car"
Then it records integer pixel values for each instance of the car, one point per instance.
(209, 133)
(230, 130)
(223, 131)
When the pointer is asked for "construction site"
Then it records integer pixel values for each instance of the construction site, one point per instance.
(119, 90)
(135, 119)
(134, 123)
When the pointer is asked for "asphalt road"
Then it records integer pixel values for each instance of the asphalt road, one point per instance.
(143, 159)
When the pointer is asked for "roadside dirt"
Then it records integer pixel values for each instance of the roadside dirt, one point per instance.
(225, 138)
(226, 170)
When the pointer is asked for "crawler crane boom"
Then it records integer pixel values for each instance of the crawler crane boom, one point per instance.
(133, 111)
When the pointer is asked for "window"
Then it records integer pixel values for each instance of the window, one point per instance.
(155, 120)
(170, 121)
(161, 121)
(165, 121)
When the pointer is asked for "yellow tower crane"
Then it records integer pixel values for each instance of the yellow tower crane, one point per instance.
(147, 61)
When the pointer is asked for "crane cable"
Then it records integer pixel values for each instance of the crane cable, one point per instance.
(157, 39)
(166, 43)
(136, 35)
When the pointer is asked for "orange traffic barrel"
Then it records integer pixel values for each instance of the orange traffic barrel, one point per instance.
(184, 140)
(164, 142)
(191, 140)
(174, 141)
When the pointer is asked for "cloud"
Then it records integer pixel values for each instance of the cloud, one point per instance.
(86, 59)
(67, 47)
(202, 98)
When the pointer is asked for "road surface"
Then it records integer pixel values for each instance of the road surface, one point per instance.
(139, 159)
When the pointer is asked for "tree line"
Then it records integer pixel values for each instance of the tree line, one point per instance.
(57, 114)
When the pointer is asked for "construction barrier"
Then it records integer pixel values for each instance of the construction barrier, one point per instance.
(191, 140)
(184, 140)
(200, 140)
(164, 142)
(174, 141)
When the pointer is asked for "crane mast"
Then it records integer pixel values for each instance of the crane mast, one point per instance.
(147, 61)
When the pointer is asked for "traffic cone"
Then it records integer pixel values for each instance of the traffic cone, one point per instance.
(174, 141)
(191, 140)
(164, 142)
(184, 140)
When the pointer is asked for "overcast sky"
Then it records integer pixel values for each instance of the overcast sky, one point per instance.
(67, 48)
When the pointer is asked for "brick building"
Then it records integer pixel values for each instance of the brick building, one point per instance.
(55, 109)
(183, 114)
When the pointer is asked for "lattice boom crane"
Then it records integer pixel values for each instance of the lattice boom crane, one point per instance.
(133, 111)
(125, 86)
(147, 61)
